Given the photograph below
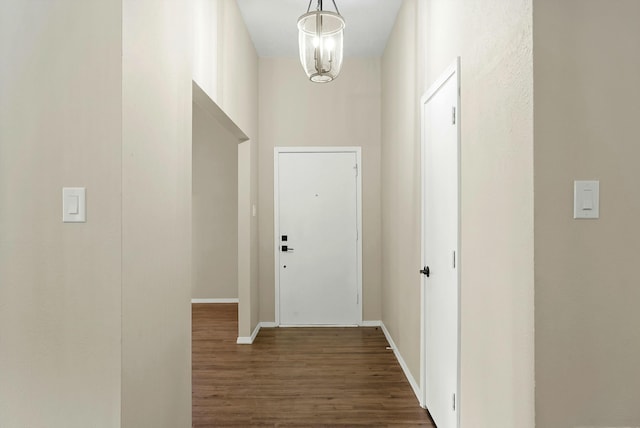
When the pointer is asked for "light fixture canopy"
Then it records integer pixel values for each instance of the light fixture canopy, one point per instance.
(320, 39)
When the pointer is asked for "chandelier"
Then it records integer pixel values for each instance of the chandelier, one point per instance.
(320, 37)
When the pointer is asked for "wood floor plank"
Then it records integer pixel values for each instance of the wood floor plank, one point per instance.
(296, 377)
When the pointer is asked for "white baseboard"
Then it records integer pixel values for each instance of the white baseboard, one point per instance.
(267, 324)
(374, 323)
(244, 340)
(318, 325)
(229, 300)
(414, 385)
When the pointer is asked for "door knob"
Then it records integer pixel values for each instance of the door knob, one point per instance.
(425, 271)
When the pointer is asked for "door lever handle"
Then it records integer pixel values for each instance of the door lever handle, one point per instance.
(425, 271)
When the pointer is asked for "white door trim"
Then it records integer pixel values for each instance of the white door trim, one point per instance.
(453, 69)
(276, 215)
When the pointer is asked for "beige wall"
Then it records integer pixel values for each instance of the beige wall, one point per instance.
(238, 97)
(225, 63)
(587, 65)
(95, 317)
(238, 69)
(401, 189)
(206, 45)
(494, 41)
(60, 125)
(156, 214)
(226, 68)
(295, 112)
(215, 208)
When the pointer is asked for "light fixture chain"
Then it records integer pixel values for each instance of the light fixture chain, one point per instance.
(320, 7)
(336, 6)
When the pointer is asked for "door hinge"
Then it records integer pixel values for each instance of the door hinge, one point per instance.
(356, 168)
(357, 235)
(454, 402)
(454, 259)
(453, 115)
(358, 298)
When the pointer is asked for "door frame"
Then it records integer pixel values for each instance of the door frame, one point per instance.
(276, 216)
(452, 70)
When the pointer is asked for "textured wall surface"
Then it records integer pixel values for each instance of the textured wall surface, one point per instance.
(494, 40)
(95, 317)
(156, 214)
(401, 188)
(207, 44)
(215, 208)
(587, 65)
(226, 68)
(238, 97)
(346, 112)
(60, 125)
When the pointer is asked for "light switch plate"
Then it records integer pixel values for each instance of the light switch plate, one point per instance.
(74, 207)
(586, 199)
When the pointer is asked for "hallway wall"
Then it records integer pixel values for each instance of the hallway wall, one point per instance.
(296, 112)
(494, 40)
(156, 214)
(226, 68)
(215, 208)
(95, 317)
(60, 284)
(238, 97)
(401, 189)
(587, 65)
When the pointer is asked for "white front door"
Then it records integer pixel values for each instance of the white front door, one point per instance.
(440, 131)
(317, 251)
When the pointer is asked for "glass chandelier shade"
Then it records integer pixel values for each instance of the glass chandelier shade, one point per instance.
(320, 39)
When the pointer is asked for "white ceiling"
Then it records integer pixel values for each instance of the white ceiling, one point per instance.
(273, 24)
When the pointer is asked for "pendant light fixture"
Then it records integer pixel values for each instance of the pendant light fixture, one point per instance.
(320, 36)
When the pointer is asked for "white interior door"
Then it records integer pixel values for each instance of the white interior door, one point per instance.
(317, 250)
(440, 138)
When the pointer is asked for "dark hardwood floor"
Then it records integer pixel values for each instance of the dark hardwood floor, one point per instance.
(296, 377)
